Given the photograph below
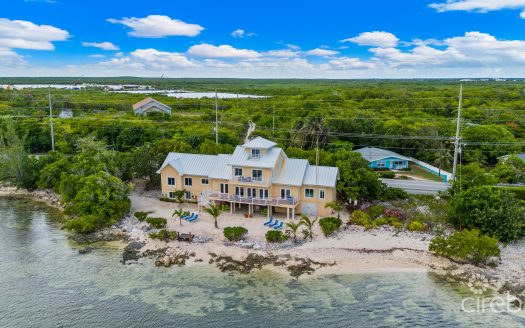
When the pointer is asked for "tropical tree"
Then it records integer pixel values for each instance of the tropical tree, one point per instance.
(215, 212)
(310, 132)
(336, 206)
(180, 213)
(293, 228)
(309, 224)
(179, 197)
(443, 159)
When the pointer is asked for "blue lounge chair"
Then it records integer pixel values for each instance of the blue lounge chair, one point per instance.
(273, 224)
(185, 217)
(195, 218)
(279, 226)
(268, 222)
(189, 217)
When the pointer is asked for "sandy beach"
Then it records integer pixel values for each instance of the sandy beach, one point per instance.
(350, 250)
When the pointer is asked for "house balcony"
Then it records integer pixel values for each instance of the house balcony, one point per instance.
(240, 180)
(215, 195)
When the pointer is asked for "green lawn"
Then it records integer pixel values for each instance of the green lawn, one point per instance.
(417, 171)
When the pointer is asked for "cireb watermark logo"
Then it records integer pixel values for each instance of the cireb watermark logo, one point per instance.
(479, 285)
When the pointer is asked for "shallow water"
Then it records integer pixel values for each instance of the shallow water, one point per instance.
(46, 283)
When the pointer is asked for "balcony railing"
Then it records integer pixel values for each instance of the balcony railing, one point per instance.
(215, 195)
(248, 180)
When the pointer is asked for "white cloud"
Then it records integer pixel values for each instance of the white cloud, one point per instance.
(101, 45)
(21, 34)
(9, 57)
(151, 59)
(284, 53)
(321, 52)
(240, 33)
(97, 56)
(223, 51)
(158, 26)
(348, 63)
(481, 6)
(375, 39)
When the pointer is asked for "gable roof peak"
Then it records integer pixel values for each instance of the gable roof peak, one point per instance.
(259, 143)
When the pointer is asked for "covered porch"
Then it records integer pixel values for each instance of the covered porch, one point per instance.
(236, 201)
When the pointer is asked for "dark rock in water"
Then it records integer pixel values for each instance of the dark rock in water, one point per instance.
(252, 261)
(86, 250)
(172, 259)
(103, 235)
(132, 252)
(516, 290)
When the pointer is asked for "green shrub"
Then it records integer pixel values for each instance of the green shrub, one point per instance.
(225, 207)
(387, 174)
(157, 222)
(416, 226)
(376, 210)
(164, 234)
(275, 236)
(467, 245)
(235, 233)
(394, 193)
(359, 218)
(166, 199)
(141, 216)
(329, 225)
(380, 222)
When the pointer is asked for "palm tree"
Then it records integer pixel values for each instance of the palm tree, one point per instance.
(336, 206)
(310, 132)
(443, 159)
(180, 214)
(309, 225)
(294, 226)
(179, 197)
(214, 211)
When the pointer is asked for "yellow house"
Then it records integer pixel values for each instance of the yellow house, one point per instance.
(258, 175)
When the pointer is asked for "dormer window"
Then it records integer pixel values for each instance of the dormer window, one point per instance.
(256, 153)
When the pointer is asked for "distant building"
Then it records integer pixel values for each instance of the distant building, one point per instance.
(148, 105)
(384, 159)
(66, 113)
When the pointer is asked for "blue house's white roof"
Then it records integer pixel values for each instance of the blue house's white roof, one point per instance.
(373, 154)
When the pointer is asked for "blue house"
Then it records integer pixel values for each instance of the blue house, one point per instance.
(384, 159)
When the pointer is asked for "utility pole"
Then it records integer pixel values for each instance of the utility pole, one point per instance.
(51, 121)
(317, 159)
(273, 121)
(216, 118)
(457, 145)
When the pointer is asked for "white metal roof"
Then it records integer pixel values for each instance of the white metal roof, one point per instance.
(242, 157)
(324, 176)
(292, 173)
(259, 143)
(221, 169)
(373, 154)
(190, 164)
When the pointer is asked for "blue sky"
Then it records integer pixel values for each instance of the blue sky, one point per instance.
(270, 39)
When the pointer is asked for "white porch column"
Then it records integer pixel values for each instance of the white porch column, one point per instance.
(293, 213)
(287, 213)
(268, 212)
(231, 207)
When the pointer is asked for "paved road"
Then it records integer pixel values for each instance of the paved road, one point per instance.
(417, 187)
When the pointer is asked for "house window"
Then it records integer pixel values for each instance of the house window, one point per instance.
(188, 182)
(171, 195)
(286, 193)
(309, 193)
(187, 194)
(381, 164)
(171, 181)
(257, 175)
(321, 193)
(256, 153)
(398, 163)
(263, 193)
(205, 181)
(238, 172)
(224, 188)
